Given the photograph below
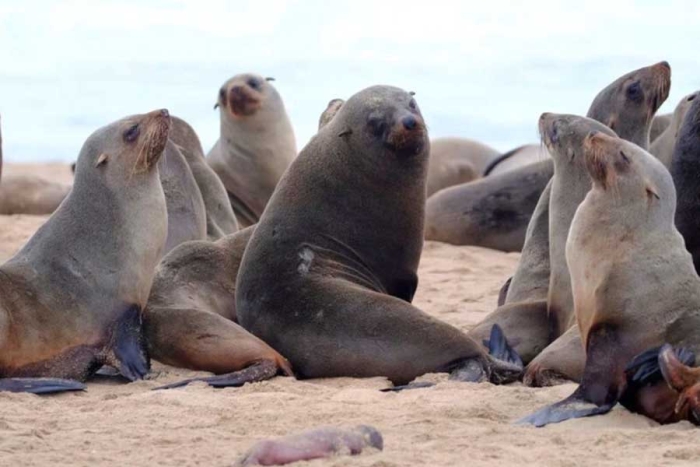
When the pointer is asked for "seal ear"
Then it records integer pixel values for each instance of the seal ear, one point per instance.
(101, 159)
(269, 78)
(411, 93)
(652, 191)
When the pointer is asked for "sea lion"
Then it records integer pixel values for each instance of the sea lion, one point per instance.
(533, 283)
(516, 158)
(492, 212)
(454, 161)
(220, 219)
(685, 168)
(71, 298)
(256, 144)
(190, 318)
(659, 125)
(329, 285)
(633, 282)
(665, 144)
(313, 444)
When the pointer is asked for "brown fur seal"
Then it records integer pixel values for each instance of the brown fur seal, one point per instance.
(329, 284)
(220, 218)
(256, 144)
(685, 170)
(191, 313)
(313, 444)
(454, 161)
(633, 282)
(30, 194)
(534, 288)
(492, 212)
(516, 158)
(664, 145)
(71, 299)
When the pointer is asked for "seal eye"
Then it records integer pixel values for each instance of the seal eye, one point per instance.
(691, 98)
(132, 133)
(376, 126)
(634, 91)
(412, 105)
(253, 83)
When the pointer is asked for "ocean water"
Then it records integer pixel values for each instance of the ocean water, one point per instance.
(483, 70)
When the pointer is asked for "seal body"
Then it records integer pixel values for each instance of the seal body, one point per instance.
(454, 161)
(633, 282)
(30, 194)
(664, 145)
(220, 219)
(516, 158)
(71, 299)
(329, 284)
(256, 144)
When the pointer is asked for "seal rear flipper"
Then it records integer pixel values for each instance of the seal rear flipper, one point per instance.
(259, 371)
(126, 350)
(574, 406)
(500, 349)
(40, 385)
(404, 387)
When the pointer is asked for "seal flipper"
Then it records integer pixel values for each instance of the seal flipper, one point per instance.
(127, 350)
(40, 385)
(602, 384)
(404, 387)
(259, 371)
(503, 366)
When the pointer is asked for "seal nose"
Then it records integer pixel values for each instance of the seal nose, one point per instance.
(664, 64)
(409, 122)
(164, 113)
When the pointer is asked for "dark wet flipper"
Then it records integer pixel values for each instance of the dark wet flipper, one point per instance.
(40, 385)
(127, 351)
(259, 371)
(500, 349)
(573, 406)
(645, 368)
(404, 387)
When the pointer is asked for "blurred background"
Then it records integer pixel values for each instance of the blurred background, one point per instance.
(484, 70)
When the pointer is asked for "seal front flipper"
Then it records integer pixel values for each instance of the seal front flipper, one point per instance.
(602, 384)
(503, 365)
(259, 371)
(40, 385)
(126, 350)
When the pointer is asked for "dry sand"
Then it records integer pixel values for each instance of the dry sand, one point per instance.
(449, 424)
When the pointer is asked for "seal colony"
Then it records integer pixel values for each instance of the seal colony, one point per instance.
(143, 257)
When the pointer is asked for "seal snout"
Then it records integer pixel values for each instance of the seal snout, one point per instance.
(549, 131)
(408, 135)
(243, 100)
(156, 128)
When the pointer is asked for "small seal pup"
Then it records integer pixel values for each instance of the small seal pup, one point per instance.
(685, 169)
(190, 319)
(633, 282)
(71, 299)
(221, 220)
(533, 283)
(665, 144)
(256, 144)
(329, 285)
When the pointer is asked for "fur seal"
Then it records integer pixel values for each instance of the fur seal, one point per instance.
(535, 287)
(220, 219)
(329, 285)
(190, 320)
(685, 168)
(453, 161)
(516, 158)
(621, 242)
(665, 144)
(659, 125)
(256, 144)
(30, 194)
(492, 212)
(71, 299)
(313, 444)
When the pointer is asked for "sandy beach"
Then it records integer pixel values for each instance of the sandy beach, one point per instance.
(450, 424)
